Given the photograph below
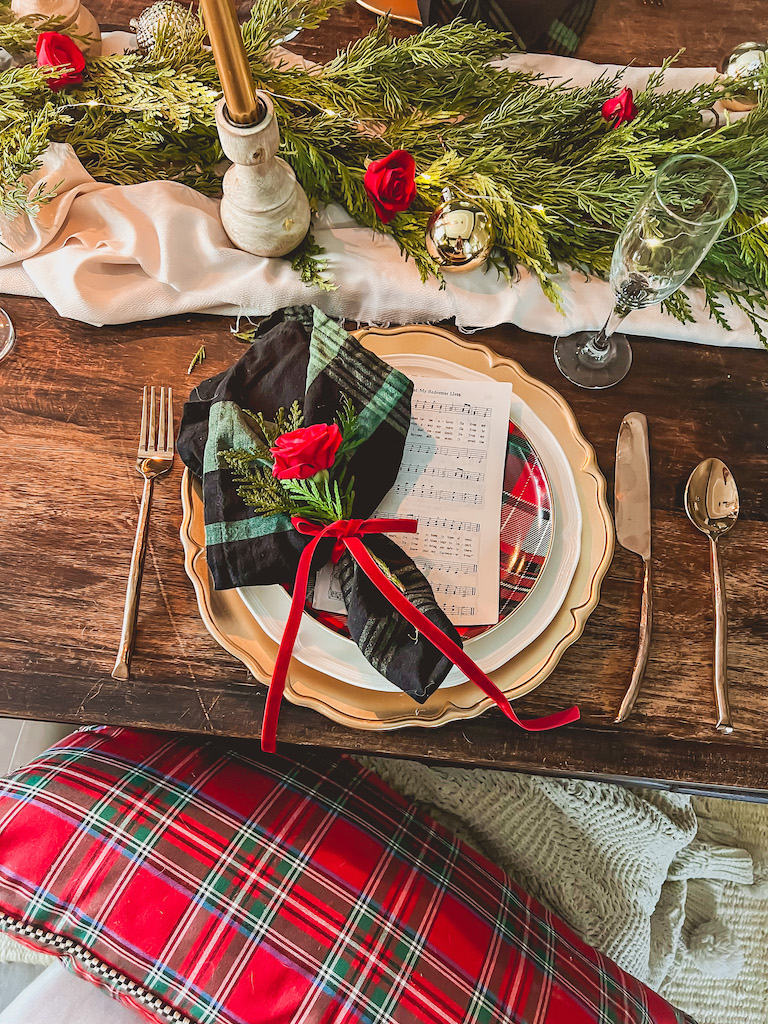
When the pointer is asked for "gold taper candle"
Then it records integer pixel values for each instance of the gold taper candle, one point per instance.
(231, 60)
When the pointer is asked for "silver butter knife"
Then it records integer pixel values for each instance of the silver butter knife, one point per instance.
(633, 531)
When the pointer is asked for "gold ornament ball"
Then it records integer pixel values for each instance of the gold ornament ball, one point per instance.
(459, 235)
(166, 16)
(744, 62)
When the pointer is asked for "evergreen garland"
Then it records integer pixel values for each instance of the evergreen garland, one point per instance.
(558, 180)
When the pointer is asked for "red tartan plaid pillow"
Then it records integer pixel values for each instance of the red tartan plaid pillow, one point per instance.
(200, 882)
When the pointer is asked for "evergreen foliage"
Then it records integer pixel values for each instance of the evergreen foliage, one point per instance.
(328, 495)
(559, 181)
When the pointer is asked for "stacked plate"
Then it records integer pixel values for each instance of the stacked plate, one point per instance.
(329, 672)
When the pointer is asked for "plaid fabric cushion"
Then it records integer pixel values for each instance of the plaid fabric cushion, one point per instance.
(201, 883)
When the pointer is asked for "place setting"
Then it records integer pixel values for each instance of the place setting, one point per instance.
(545, 525)
(545, 518)
(510, 532)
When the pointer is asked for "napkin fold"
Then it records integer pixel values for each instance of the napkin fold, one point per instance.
(301, 355)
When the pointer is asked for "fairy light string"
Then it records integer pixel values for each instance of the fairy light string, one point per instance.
(425, 177)
(539, 208)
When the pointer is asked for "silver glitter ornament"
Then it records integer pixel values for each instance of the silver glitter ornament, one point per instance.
(173, 19)
(744, 62)
(459, 234)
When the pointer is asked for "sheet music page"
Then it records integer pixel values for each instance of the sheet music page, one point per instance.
(451, 480)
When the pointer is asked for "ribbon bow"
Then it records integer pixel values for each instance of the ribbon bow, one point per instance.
(348, 534)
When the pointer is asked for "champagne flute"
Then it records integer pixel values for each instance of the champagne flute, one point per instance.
(7, 334)
(672, 229)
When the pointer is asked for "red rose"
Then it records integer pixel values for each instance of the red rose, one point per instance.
(620, 109)
(391, 183)
(302, 453)
(55, 50)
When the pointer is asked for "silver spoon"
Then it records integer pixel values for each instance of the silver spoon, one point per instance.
(712, 504)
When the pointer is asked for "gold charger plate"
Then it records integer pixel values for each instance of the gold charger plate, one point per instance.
(232, 625)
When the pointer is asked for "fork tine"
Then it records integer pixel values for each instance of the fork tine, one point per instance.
(152, 443)
(144, 421)
(170, 437)
(161, 423)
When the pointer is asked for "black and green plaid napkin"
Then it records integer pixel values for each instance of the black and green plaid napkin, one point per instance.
(300, 354)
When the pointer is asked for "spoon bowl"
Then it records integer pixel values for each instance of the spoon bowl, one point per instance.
(712, 498)
(712, 504)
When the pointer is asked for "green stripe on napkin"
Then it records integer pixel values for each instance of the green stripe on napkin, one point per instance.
(246, 529)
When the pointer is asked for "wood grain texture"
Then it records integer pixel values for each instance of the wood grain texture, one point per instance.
(619, 31)
(70, 403)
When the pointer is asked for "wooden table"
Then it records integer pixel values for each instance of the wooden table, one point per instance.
(69, 398)
(70, 411)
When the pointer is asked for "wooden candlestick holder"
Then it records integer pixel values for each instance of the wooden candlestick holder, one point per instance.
(264, 209)
(76, 18)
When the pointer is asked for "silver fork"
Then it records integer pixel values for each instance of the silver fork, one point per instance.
(155, 457)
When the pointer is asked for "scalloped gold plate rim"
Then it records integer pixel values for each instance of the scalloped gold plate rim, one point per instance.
(231, 624)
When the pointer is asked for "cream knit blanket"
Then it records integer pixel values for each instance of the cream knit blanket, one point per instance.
(673, 888)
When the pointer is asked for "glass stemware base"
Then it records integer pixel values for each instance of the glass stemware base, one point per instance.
(7, 334)
(591, 366)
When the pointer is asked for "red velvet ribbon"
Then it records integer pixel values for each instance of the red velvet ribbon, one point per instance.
(348, 534)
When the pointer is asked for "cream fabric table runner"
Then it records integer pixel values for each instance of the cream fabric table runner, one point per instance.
(109, 254)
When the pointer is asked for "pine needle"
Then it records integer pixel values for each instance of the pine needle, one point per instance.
(197, 358)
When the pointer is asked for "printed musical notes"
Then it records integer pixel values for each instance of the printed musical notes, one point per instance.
(459, 568)
(451, 480)
(454, 591)
(454, 463)
(405, 490)
(450, 524)
(443, 473)
(417, 448)
(451, 409)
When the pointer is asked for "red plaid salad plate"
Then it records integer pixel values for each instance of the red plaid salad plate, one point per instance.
(539, 550)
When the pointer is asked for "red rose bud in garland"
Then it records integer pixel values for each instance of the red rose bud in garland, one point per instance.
(620, 109)
(302, 453)
(391, 183)
(56, 50)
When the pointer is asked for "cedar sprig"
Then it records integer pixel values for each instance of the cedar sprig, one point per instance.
(258, 489)
(322, 498)
(284, 422)
(327, 496)
(309, 262)
(349, 424)
(196, 359)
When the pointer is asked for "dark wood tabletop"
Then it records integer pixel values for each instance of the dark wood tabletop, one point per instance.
(70, 407)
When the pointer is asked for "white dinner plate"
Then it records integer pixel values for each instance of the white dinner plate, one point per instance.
(333, 654)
